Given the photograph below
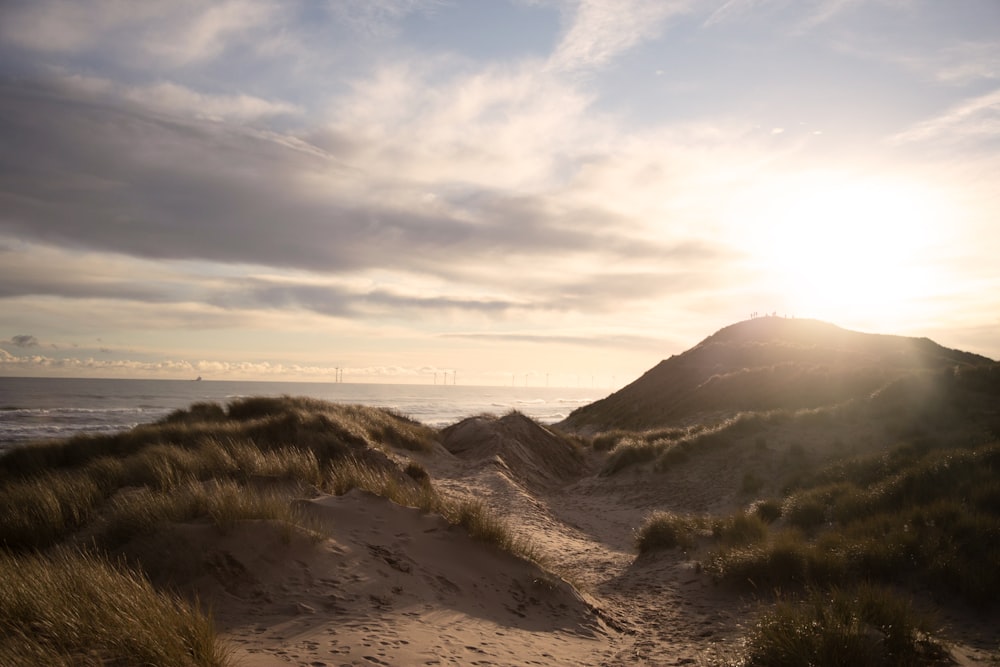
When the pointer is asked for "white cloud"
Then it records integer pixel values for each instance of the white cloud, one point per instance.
(599, 30)
(204, 33)
(958, 64)
(179, 99)
(732, 9)
(176, 33)
(968, 123)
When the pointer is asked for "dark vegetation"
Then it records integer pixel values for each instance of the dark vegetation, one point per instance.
(770, 363)
(863, 626)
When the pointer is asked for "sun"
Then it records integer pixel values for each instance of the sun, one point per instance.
(844, 249)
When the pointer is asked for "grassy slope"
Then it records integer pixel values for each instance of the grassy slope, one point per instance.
(766, 364)
(858, 534)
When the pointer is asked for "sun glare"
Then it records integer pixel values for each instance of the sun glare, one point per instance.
(848, 250)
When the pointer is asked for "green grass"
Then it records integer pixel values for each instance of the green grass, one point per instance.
(931, 518)
(71, 608)
(860, 626)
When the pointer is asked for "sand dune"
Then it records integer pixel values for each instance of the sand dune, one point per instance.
(392, 585)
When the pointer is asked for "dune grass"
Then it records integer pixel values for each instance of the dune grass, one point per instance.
(932, 522)
(395, 485)
(860, 626)
(485, 525)
(669, 447)
(222, 502)
(414, 489)
(329, 430)
(667, 530)
(72, 608)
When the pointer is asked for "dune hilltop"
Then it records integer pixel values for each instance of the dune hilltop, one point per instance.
(703, 515)
(766, 363)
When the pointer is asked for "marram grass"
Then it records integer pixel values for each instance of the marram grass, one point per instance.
(72, 608)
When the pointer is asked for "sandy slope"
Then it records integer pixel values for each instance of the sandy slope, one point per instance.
(393, 586)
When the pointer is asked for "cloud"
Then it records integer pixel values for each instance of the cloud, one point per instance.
(23, 340)
(179, 99)
(379, 17)
(732, 9)
(963, 63)
(188, 369)
(626, 341)
(159, 34)
(973, 124)
(799, 15)
(116, 177)
(599, 30)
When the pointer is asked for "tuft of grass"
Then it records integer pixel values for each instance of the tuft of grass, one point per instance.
(223, 502)
(487, 526)
(666, 530)
(862, 626)
(740, 529)
(768, 510)
(417, 472)
(780, 563)
(389, 483)
(71, 608)
(629, 452)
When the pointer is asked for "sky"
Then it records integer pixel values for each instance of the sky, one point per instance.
(489, 191)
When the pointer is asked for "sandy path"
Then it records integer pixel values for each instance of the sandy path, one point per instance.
(660, 610)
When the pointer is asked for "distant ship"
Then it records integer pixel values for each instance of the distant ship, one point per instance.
(198, 379)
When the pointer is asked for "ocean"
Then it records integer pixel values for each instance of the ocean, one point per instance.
(49, 408)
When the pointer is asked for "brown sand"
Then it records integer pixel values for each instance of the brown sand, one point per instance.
(394, 586)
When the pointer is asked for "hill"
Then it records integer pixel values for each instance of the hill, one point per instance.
(763, 364)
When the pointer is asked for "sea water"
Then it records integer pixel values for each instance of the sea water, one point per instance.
(46, 408)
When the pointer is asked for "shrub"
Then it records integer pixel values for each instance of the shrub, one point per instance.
(780, 563)
(863, 626)
(768, 510)
(666, 530)
(629, 452)
(807, 509)
(740, 529)
(673, 455)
